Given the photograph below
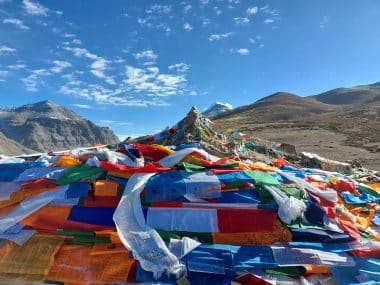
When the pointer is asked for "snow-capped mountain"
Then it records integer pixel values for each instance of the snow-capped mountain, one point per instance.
(217, 109)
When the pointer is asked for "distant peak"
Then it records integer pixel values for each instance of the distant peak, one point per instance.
(278, 95)
(216, 109)
(227, 105)
(45, 103)
(41, 104)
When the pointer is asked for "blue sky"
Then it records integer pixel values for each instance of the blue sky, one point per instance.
(138, 66)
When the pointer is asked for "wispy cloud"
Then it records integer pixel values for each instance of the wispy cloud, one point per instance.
(257, 40)
(151, 82)
(241, 51)
(72, 79)
(218, 37)
(81, 106)
(16, 66)
(181, 67)
(81, 52)
(104, 96)
(17, 23)
(233, 3)
(187, 27)
(75, 91)
(6, 50)
(59, 65)
(252, 10)
(68, 35)
(206, 22)
(98, 68)
(146, 55)
(158, 9)
(241, 21)
(34, 8)
(267, 10)
(76, 41)
(112, 122)
(33, 80)
(268, 21)
(272, 14)
(187, 8)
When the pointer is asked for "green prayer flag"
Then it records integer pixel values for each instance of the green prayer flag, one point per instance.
(189, 167)
(262, 178)
(78, 173)
(293, 191)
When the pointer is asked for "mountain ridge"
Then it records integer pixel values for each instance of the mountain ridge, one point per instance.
(44, 126)
(325, 123)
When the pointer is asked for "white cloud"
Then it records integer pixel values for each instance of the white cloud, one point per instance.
(206, 22)
(241, 51)
(187, 27)
(16, 66)
(153, 83)
(233, 3)
(255, 40)
(269, 11)
(76, 42)
(146, 55)
(71, 79)
(187, 8)
(33, 81)
(67, 35)
(181, 67)
(98, 68)
(204, 2)
(6, 50)
(81, 52)
(81, 106)
(268, 21)
(99, 65)
(17, 23)
(218, 37)
(104, 96)
(112, 122)
(252, 10)
(75, 91)
(35, 9)
(142, 21)
(59, 65)
(159, 9)
(106, 122)
(242, 21)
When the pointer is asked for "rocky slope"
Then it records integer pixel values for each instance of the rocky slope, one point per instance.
(343, 123)
(46, 126)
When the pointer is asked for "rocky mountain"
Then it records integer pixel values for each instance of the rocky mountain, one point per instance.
(217, 109)
(10, 147)
(46, 126)
(341, 123)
